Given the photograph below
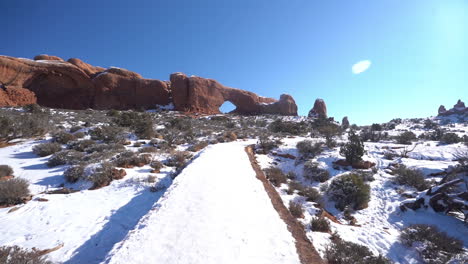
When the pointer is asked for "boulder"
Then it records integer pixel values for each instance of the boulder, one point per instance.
(201, 95)
(319, 109)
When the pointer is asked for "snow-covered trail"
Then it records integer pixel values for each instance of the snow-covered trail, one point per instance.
(216, 211)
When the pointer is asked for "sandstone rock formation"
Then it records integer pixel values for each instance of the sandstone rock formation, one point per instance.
(74, 84)
(319, 109)
(458, 108)
(442, 109)
(200, 95)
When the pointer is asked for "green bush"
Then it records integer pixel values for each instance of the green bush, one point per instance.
(275, 176)
(451, 138)
(46, 149)
(5, 170)
(129, 159)
(307, 149)
(17, 255)
(81, 145)
(411, 177)
(13, 191)
(320, 224)
(433, 246)
(349, 190)
(344, 252)
(353, 150)
(406, 138)
(140, 123)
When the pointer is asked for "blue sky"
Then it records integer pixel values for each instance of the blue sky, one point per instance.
(418, 48)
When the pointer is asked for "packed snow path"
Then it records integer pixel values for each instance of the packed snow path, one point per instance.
(216, 211)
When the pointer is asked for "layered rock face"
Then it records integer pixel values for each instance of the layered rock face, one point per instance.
(200, 95)
(50, 81)
(458, 108)
(319, 109)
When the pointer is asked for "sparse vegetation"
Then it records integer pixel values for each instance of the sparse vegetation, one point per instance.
(265, 144)
(65, 157)
(275, 176)
(410, 177)
(63, 137)
(13, 191)
(296, 209)
(320, 224)
(433, 246)
(314, 173)
(307, 149)
(450, 138)
(74, 173)
(17, 255)
(5, 170)
(344, 252)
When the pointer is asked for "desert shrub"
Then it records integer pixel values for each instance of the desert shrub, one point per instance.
(14, 125)
(198, 146)
(33, 108)
(265, 144)
(429, 124)
(63, 137)
(275, 176)
(148, 149)
(65, 157)
(46, 149)
(308, 149)
(288, 127)
(344, 252)
(349, 190)
(129, 159)
(178, 159)
(329, 131)
(432, 245)
(13, 191)
(181, 124)
(17, 255)
(81, 145)
(314, 173)
(111, 147)
(5, 170)
(353, 150)
(406, 138)
(108, 134)
(390, 155)
(296, 209)
(229, 136)
(137, 144)
(411, 177)
(156, 165)
(74, 173)
(320, 224)
(450, 138)
(79, 135)
(311, 194)
(102, 175)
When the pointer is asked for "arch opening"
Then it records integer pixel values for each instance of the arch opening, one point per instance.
(227, 107)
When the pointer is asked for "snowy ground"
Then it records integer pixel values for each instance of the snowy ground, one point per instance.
(87, 223)
(216, 211)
